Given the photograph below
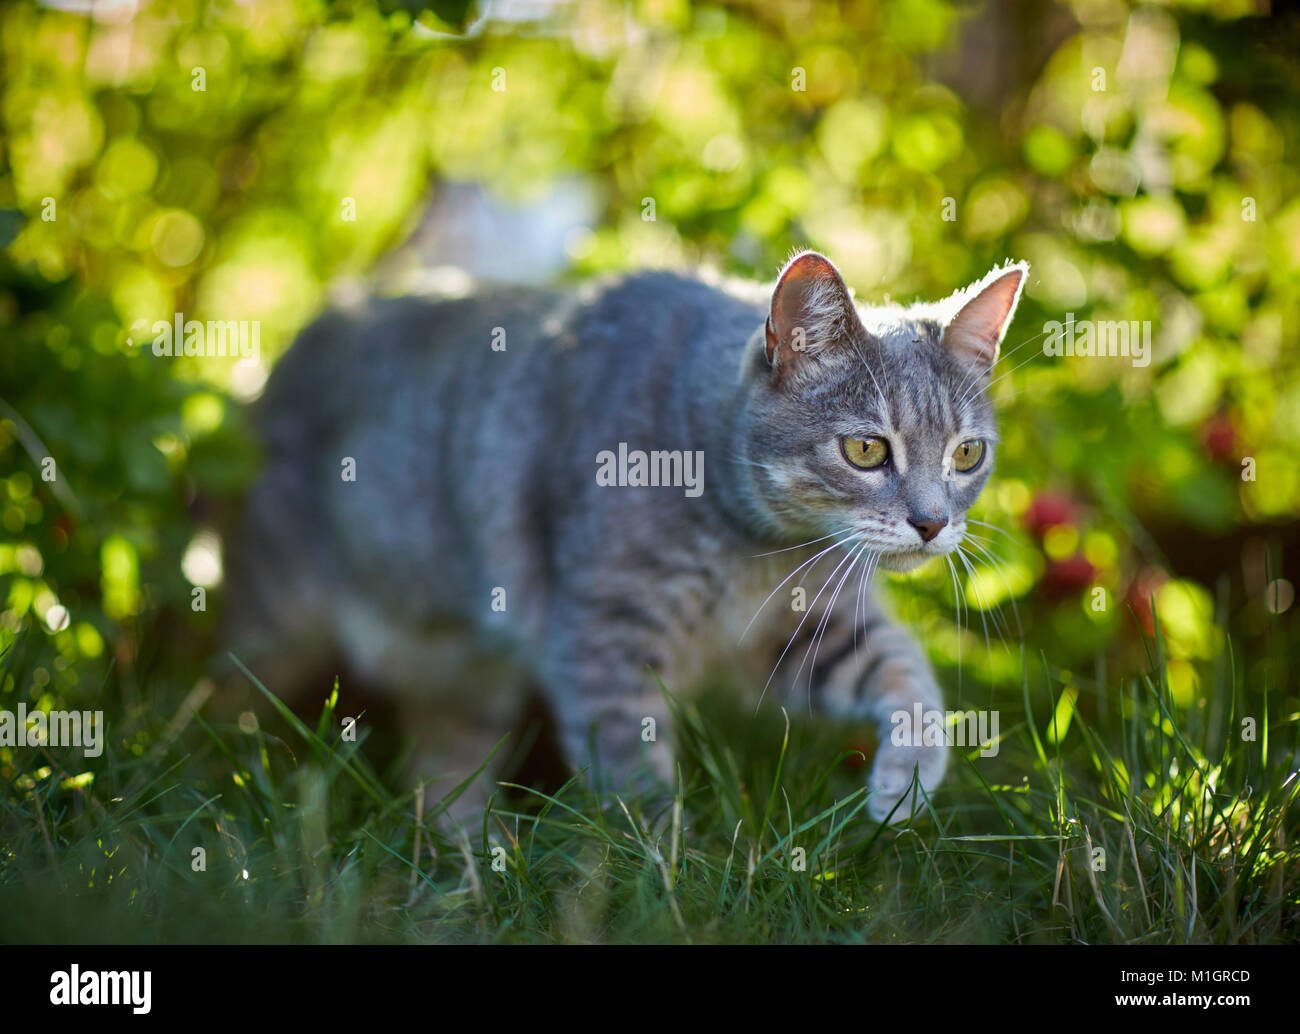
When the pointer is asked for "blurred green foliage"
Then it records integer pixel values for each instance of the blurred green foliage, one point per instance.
(200, 158)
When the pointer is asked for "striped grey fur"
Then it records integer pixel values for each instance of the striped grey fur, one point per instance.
(476, 471)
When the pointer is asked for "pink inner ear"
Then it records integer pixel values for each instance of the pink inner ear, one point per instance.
(793, 288)
(799, 300)
(977, 329)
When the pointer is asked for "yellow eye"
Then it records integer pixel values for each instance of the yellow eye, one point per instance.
(865, 452)
(968, 455)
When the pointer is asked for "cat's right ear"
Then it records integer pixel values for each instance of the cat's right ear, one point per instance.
(811, 309)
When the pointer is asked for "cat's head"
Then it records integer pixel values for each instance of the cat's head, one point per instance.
(875, 422)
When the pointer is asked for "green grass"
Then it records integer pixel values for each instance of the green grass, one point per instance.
(306, 842)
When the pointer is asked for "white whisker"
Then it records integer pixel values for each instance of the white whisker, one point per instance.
(794, 635)
(811, 560)
(819, 632)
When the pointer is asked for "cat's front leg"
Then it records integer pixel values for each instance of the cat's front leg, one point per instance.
(881, 675)
(610, 713)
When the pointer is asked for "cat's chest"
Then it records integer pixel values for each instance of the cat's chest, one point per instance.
(765, 599)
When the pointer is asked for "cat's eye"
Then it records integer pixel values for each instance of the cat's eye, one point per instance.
(866, 453)
(968, 455)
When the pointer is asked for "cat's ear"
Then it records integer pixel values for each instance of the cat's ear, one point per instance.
(975, 334)
(811, 309)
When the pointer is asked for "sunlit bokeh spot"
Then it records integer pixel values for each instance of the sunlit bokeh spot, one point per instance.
(202, 561)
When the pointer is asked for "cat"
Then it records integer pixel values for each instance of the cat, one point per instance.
(466, 477)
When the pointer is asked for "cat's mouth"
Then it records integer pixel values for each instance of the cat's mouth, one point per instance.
(909, 560)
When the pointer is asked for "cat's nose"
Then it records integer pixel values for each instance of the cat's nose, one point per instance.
(929, 527)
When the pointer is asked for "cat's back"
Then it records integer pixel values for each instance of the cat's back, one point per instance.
(358, 358)
(352, 362)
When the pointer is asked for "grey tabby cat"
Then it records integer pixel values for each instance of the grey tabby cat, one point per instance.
(439, 467)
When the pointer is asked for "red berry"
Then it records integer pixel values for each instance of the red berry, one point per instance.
(1219, 438)
(1049, 509)
(1140, 593)
(1067, 577)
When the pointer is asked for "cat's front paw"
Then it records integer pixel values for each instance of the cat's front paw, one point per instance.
(892, 785)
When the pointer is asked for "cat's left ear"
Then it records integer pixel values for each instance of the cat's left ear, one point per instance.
(975, 334)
